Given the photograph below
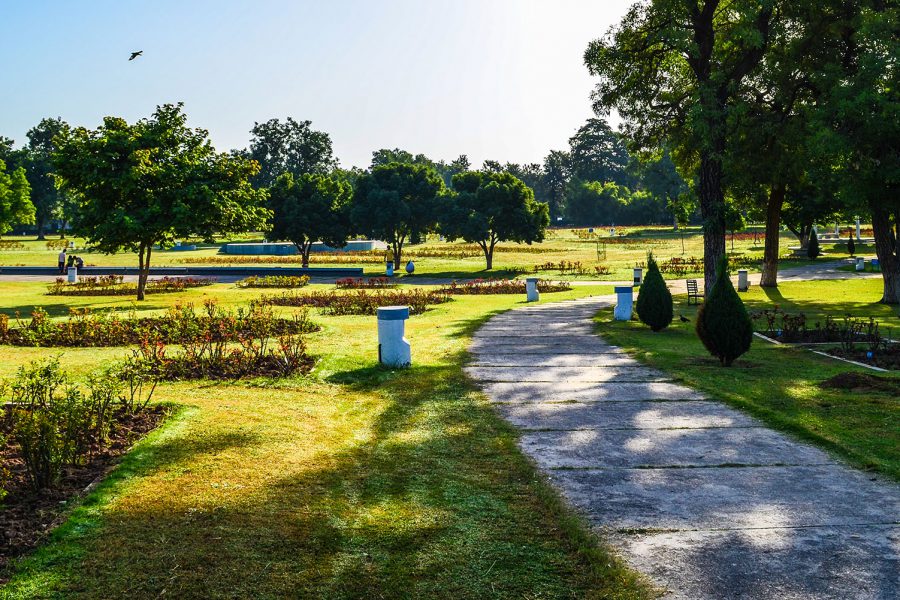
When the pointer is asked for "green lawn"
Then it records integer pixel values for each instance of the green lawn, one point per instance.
(353, 482)
(779, 384)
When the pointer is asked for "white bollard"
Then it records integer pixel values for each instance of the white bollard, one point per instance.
(624, 303)
(531, 290)
(860, 263)
(393, 349)
(638, 276)
(72, 272)
(857, 229)
(389, 268)
(743, 283)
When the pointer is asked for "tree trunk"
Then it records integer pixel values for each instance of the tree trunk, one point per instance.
(398, 250)
(488, 248)
(890, 265)
(62, 230)
(41, 224)
(769, 276)
(304, 249)
(141, 270)
(712, 207)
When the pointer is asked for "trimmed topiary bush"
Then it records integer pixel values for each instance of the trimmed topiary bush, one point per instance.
(851, 245)
(812, 248)
(654, 303)
(723, 324)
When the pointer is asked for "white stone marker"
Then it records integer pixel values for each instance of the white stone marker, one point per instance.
(624, 303)
(72, 272)
(860, 263)
(743, 283)
(389, 268)
(638, 276)
(531, 289)
(857, 229)
(393, 348)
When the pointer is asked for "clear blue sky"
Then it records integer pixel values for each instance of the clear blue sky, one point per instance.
(499, 79)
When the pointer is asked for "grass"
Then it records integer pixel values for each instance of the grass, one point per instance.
(778, 384)
(509, 260)
(356, 481)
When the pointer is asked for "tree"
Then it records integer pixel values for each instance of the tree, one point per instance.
(384, 157)
(556, 174)
(144, 184)
(734, 220)
(595, 203)
(812, 249)
(394, 201)
(654, 304)
(673, 70)
(597, 153)
(659, 177)
(39, 170)
(723, 324)
(851, 245)
(310, 208)
(489, 207)
(290, 147)
(15, 203)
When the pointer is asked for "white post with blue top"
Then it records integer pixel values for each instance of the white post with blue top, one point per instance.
(624, 303)
(72, 272)
(531, 290)
(393, 348)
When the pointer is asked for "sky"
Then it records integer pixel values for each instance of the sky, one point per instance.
(493, 79)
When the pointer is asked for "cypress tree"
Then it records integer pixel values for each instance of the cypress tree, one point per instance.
(812, 249)
(851, 245)
(654, 303)
(723, 324)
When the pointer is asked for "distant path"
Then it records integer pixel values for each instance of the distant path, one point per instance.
(705, 500)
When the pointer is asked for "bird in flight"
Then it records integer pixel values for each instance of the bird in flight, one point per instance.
(134, 55)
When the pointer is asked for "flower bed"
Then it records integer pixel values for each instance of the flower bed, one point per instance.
(351, 283)
(360, 302)
(564, 267)
(11, 245)
(274, 281)
(180, 324)
(501, 286)
(115, 285)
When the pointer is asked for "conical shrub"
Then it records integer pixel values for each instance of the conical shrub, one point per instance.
(851, 245)
(723, 324)
(812, 248)
(654, 303)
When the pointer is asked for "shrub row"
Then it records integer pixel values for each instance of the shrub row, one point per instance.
(180, 324)
(501, 286)
(360, 302)
(274, 281)
(115, 285)
(351, 283)
(11, 245)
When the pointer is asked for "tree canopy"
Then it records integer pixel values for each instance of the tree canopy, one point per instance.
(310, 208)
(15, 202)
(150, 182)
(490, 207)
(288, 147)
(395, 201)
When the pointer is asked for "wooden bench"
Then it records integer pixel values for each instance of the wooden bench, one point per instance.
(693, 292)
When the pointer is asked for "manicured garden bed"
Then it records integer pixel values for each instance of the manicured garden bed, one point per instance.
(115, 285)
(360, 302)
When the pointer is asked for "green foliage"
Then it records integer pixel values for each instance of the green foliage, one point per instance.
(597, 153)
(15, 199)
(812, 248)
(290, 147)
(37, 161)
(595, 203)
(394, 201)
(723, 324)
(310, 208)
(148, 183)
(491, 207)
(654, 303)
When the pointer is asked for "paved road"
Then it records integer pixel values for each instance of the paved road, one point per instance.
(702, 498)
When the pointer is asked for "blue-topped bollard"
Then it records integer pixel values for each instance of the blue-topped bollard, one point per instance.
(72, 272)
(860, 263)
(531, 290)
(389, 268)
(624, 303)
(743, 281)
(393, 349)
(876, 265)
(410, 267)
(638, 276)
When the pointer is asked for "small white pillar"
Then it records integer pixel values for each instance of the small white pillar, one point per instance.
(531, 289)
(624, 303)
(389, 268)
(393, 348)
(71, 243)
(72, 272)
(638, 276)
(860, 263)
(837, 229)
(743, 282)
(858, 238)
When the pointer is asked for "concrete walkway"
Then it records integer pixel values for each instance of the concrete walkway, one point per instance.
(703, 499)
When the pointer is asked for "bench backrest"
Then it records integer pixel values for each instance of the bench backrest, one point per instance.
(692, 286)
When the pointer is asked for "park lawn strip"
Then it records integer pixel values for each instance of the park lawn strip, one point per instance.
(356, 481)
(777, 384)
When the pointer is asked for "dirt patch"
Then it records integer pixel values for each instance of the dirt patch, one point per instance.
(862, 382)
(26, 516)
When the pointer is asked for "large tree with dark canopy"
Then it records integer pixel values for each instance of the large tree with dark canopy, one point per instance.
(39, 170)
(289, 147)
(597, 153)
(673, 69)
(147, 183)
(310, 208)
(395, 201)
(15, 203)
(488, 207)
